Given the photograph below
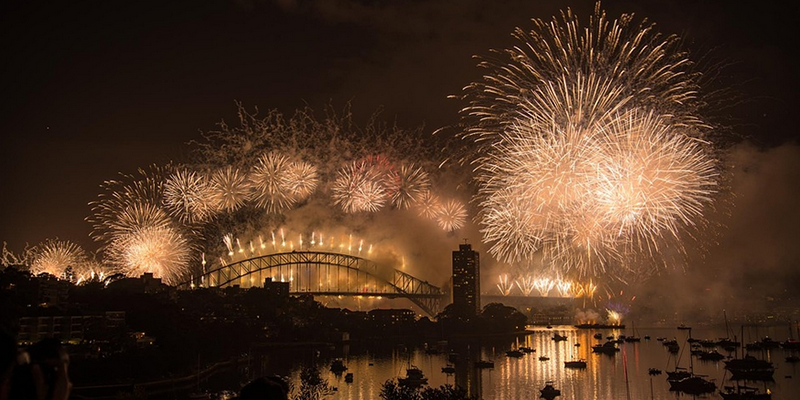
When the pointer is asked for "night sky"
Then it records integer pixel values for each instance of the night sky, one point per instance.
(91, 89)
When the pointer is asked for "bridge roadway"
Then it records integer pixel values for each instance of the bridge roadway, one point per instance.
(325, 274)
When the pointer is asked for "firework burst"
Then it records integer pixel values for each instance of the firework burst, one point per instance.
(429, 205)
(358, 187)
(129, 203)
(57, 258)
(301, 179)
(91, 270)
(162, 251)
(590, 149)
(230, 189)
(411, 184)
(272, 183)
(186, 196)
(452, 215)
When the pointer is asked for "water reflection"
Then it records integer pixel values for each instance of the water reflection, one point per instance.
(621, 375)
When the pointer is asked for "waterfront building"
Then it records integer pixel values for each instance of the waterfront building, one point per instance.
(466, 280)
(70, 328)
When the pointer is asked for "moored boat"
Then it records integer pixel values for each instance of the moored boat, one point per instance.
(712, 355)
(515, 353)
(744, 393)
(750, 367)
(694, 384)
(606, 348)
(549, 391)
(575, 364)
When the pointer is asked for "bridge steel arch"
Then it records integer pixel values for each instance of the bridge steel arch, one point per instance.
(324, 273)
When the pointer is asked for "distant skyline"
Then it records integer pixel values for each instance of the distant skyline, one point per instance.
(92, 89)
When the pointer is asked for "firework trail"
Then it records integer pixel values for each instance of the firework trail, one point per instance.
(452, 215)
(230, 189)
(590, 146)
(504, 285)
(9, 258)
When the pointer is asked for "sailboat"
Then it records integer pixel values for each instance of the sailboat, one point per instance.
(749, 367)
(691, 383)
(726, 343)
(633, 338)
(744, 393)
(792, 343)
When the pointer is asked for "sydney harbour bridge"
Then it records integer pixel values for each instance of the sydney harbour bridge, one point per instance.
(325, 274)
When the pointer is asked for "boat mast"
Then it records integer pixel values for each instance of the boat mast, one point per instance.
(727, 330)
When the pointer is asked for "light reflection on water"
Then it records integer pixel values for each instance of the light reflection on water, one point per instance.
(622, 376)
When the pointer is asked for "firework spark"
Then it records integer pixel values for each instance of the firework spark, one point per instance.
(544, 285)
(504, 285)
(564, 288)
(526, 284)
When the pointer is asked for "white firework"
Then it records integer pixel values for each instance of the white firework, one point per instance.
(57, 258)
(271, 183)
(230, 189)
(452, 215)
(301, 179)
(186, 196)
(359, 188)
(411, 184)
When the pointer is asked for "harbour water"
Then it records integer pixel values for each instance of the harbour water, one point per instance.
(621, 376)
